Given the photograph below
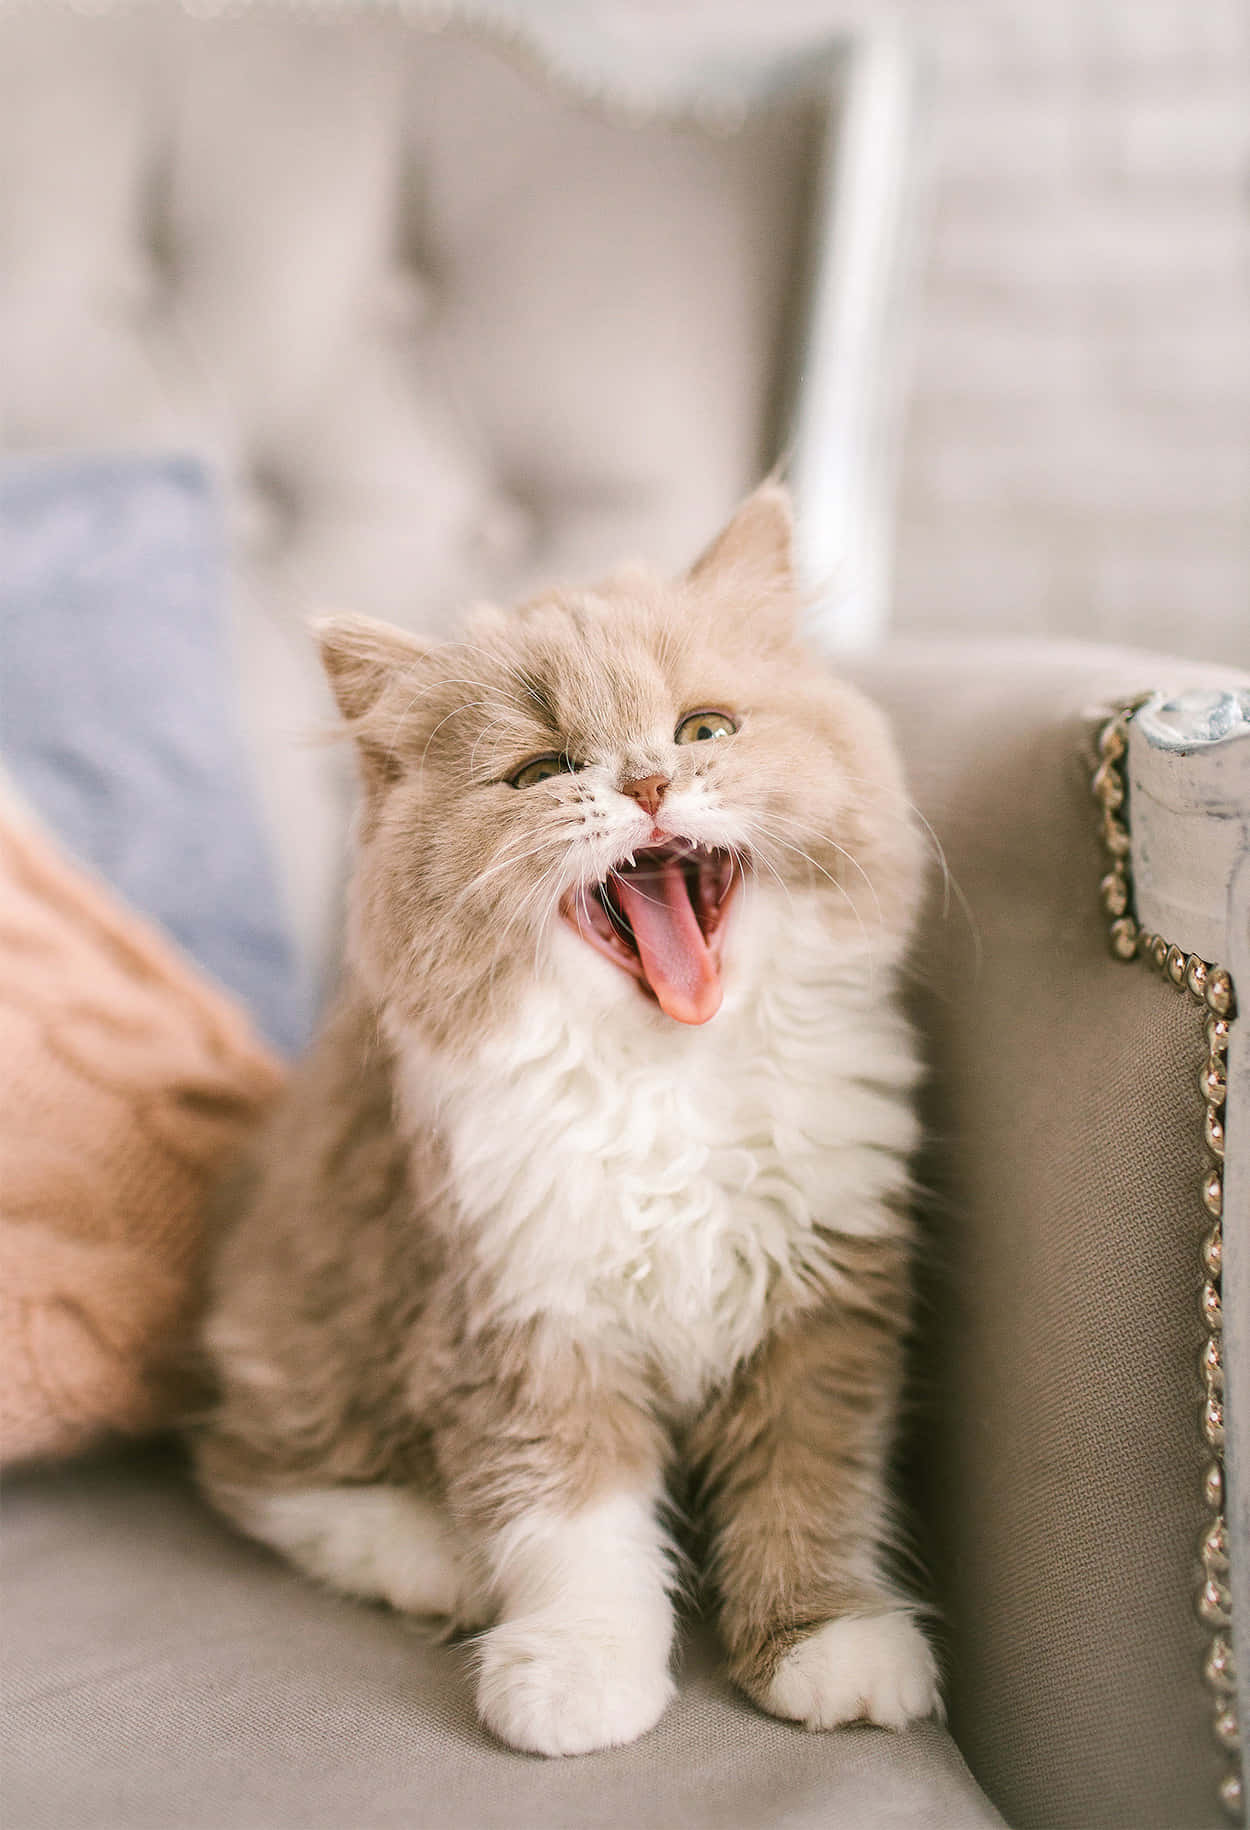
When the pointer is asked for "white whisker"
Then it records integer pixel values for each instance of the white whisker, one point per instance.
(825, 839)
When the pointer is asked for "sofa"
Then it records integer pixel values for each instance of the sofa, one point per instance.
(446, 319)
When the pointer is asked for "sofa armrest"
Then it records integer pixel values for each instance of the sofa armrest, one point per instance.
(1061, 1467)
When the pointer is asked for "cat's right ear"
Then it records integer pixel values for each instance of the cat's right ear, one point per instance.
(361, 658)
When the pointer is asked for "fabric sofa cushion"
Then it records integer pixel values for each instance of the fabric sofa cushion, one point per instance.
(119, 715)
(161, 1671)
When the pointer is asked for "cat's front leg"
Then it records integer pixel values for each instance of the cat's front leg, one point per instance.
(792, 1459)
(563, 1504)
(579, 1658)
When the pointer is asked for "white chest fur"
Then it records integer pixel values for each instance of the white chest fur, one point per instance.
(668, 1190)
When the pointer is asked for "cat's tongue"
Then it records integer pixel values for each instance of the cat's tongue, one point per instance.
(675, 957)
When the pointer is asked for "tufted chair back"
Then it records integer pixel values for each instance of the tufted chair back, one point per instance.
(443, 331)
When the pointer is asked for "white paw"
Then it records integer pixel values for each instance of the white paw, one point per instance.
(570, 1686)
(880, 1669)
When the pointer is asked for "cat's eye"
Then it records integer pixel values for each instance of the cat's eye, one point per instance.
(700, 727)
(540, 769)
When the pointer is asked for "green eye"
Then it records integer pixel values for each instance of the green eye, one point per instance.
(540, 769)
(700, 727)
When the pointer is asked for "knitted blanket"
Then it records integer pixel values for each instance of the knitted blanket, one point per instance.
(127, 1081)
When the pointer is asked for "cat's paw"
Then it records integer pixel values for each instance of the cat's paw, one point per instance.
(570, 1686)
(876, 1669)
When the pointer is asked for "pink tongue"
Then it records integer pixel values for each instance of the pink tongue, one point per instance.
(675, 957)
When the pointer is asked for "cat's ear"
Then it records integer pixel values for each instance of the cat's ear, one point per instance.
(751, 561)
(361, 658)
(757, 544)
(360, 655)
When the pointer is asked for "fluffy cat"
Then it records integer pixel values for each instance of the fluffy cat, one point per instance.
(598, 1168)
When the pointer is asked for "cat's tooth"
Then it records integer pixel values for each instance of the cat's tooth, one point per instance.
(629, 859)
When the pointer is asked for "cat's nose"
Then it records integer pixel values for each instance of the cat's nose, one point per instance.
(648, 791)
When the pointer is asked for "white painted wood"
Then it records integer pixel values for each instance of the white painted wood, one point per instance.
(844, 438)
(1189, 800)
(1189, 787)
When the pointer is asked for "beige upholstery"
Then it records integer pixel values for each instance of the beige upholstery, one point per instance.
(445, 334)
(1060, 1456)
(164, 1673)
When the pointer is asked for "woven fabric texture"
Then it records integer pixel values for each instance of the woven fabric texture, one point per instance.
(1060, 1456)
(182, 1677)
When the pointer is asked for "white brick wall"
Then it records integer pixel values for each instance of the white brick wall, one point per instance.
(1077, 454)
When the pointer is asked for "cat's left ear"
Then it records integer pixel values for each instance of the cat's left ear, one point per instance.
(752, 561)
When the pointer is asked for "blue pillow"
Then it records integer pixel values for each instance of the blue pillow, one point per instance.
(117, 709)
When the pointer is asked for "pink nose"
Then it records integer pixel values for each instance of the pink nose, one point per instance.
(648, 791)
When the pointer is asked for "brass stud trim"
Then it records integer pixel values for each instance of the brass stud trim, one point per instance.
(1212, 987)
(1220, 1670)
(1214, 1549)
(1213, 1082)
(1218, 1030)
(1219, 994)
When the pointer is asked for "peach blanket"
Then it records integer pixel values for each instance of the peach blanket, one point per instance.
(126, 1082)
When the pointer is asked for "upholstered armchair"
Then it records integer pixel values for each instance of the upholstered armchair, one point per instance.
(444, 323)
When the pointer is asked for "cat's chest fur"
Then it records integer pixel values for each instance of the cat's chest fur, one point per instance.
(670, 1191)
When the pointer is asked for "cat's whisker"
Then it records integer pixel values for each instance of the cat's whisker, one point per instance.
(740, 865)
(826, 839)
(497, 658)
(950, 883)
(775, 839)
(614, 915)
(761, 857)
(532, 895)
(487, 730)
(815, 864)
(470, 705)
(550, 841)
(431, 686)
(952, 890)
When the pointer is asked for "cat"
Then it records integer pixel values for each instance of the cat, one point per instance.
(598, 1169)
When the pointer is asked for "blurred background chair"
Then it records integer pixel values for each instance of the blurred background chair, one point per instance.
(445, 314)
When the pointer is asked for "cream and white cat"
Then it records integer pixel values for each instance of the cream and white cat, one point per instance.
(598, 1170)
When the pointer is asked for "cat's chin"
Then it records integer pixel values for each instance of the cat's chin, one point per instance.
(659, 915)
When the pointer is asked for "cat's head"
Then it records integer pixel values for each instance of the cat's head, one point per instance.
(624, 765)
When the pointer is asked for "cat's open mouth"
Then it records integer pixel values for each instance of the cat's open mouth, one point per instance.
(660, 917)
